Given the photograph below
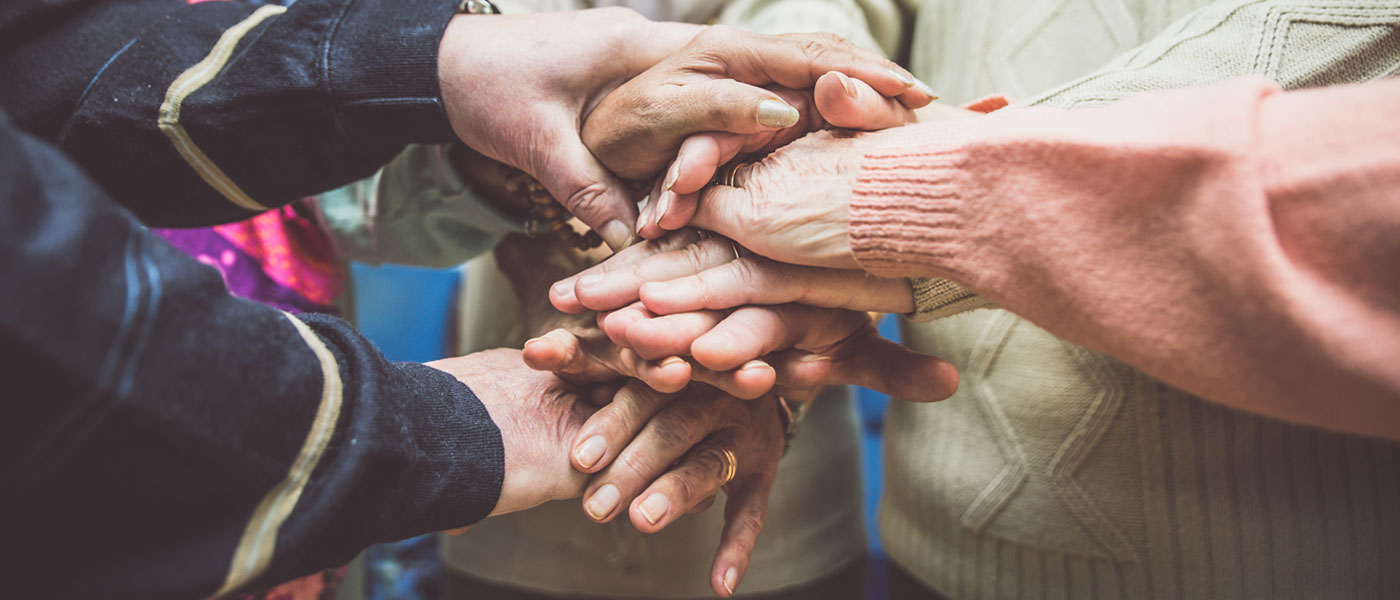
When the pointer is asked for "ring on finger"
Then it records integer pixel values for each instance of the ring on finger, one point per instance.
(731, 466)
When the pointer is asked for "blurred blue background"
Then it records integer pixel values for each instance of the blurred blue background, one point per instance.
(407, 312)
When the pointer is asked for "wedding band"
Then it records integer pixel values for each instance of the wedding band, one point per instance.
(731, 466)
(730, 176)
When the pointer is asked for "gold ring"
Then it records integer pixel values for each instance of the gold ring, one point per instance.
(731, 176)
(735, 247)
(731, 466)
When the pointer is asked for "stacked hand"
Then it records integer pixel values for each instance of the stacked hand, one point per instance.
(643, 86)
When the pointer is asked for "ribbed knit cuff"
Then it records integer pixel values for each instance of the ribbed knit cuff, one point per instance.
(938, 298)
(906, 217)
(383, 70)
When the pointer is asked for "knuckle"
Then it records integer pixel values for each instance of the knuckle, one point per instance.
(630, 471)
(590, 198)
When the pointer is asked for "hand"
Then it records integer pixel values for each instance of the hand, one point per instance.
(686, 272)
(807, 347)
(658, 457)
(539, 416)
(839, 101)
(522, 101)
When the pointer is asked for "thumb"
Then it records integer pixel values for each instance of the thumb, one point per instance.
(575, 177)
(851, 103)
(729, 211)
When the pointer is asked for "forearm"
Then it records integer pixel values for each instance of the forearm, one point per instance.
(205, 442)
(1232, 241)
(195, 114)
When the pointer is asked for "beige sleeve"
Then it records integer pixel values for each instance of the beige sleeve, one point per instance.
(872, 24)
(1296, 44)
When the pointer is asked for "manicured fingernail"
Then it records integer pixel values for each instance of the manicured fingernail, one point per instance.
(755, 364)
(590, 451)
(602, 502)
(590, 280)
(731, 579)
(672, 360)
(846, 84)
(814, 358)
(904, 79)
(671, 175)
(615, 234)
(923, 87)
(654, 507)
(663, 204)
(776, 113)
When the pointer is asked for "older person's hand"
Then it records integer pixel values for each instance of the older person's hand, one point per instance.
(658, 457)
(538, 414)
(686, 271)
(522, 102)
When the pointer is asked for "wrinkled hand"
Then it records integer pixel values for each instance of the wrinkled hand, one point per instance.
(522, 103)
(539, 416)
(660, 456)
(687, 271)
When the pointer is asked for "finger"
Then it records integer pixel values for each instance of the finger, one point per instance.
(615, 323)
(563, 352)
(681, 423)
(702, 506)
(646, 221)
(619, 287)
(753, 331)
(608, 430)
(561, 294)
(603, 393)
(745, 510)
(671, 335)
(889, 368)
(757, 280)
(699, 156)
(853, 104)
(696, 476)
(669, 375)
(799, 370)
(578, 181)
(797, 60)
(751, 380)
(731, 106)
(677, 211)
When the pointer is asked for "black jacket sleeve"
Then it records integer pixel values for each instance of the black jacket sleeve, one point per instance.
(193, 114)
(163, 439)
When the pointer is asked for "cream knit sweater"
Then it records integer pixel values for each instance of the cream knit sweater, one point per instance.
(1055, 472)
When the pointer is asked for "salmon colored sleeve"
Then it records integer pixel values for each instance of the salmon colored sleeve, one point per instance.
(1235, 241)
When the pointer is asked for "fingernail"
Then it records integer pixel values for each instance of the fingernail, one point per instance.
(776, 113)
(591, 279)
(602, 502)
(848, 86)
(671, 175)
(904, 79)
(590, 451)
(563, 289)
(814, 358)
(923, 87)
(731, 579)
(672, 360)
(663, 204)
(654, 507)
(755, 364)
(615, 234)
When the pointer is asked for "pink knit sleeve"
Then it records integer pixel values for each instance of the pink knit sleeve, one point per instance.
(1235, 241)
